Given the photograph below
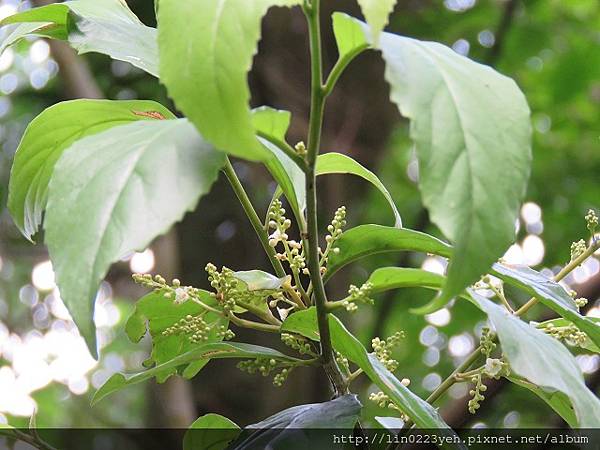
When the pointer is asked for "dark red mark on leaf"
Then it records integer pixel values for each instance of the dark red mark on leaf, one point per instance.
(150, 114)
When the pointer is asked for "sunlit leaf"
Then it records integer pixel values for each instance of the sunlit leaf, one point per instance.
(47, 137)
(257, 280)
(377, 13)
(114, 192)
(207, 76)
(101, 26)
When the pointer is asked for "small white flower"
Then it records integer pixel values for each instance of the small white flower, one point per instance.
(275, 238)
(181, 295)
(493, 366)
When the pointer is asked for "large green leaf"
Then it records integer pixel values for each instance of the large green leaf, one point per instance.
(294, 428)
(472, 133)
(377, 13)
(422, 413)
(330, 163)
(542, 360)
(206, 71)
(154, 313)
(366, 240)
(205, 352)
(102, 26)
(558, 401)
(550, 293)
(47, 137)
(203, 433)
(113, 193)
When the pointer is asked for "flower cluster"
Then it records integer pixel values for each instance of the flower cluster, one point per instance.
(476, 393)
(279, 225)
(570, 334)
(358, 295)
(335, 230)
(577, 249)
(383, 401)
(591, 220)
(383, 349)
(342, 362)
(265, 367)
(194, 326)
(174, 290)
(225, 285)
(298, 343)
(300, 148)
(487, 343)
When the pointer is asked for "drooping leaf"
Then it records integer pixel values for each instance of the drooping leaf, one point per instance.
(366, 240)
(422, 413)
(207, 76)
(550, 293)
(47, 137)
(294, 428)
(542, 360)
(558, 401)
(203, 433)
(14, 33)
(330, 163)
(377, 13)
(154, 313)
(206, 352)
(113, 193)
(103, 26)
(257, 280)
(472, 131)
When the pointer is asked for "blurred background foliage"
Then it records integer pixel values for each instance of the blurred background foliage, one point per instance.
(551, 48)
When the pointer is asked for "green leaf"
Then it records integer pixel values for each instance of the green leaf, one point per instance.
(17, 32)
(271, 122)
(349, 35)
(377, 13)
(204, 352)
(257, 280)
(388, 278)
(330, 163)
(207, 76)
(47, 137)
(421, 412)
(154, 313)
(366, 240)
(471, 128)
(103, 26)
(542, 360)
(558, 401)
(113, 193)
(202, 435)
(294, 427)
(549, 293)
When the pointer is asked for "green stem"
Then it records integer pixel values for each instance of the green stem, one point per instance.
(253, 217)
(340, 67)
(253, 325)
(312, 13)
